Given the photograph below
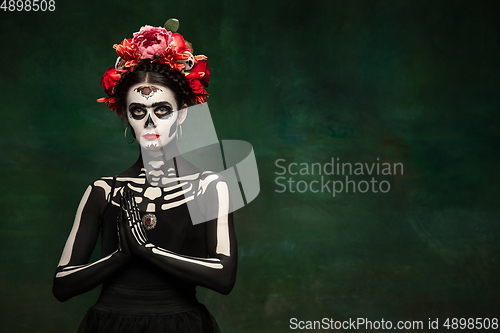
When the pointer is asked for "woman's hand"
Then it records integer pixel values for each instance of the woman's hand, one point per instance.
(132, 233)
(215, 270)
(123, 246)
(74, 274)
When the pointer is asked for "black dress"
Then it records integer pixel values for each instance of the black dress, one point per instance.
(141, 297)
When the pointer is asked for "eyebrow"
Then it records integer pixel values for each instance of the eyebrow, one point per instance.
(140, 105)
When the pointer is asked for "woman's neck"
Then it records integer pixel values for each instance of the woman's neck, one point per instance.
(160, 163)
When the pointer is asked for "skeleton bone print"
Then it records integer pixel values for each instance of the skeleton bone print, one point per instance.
(177, 190)
(174, 191)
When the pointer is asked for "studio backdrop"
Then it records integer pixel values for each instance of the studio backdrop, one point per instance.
(374, 126)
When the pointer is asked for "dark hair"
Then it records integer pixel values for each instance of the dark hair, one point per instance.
(157, 74)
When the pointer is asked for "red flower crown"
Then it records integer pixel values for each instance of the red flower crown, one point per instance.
(157, 45)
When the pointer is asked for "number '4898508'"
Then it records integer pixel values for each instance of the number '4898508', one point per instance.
(28, 5)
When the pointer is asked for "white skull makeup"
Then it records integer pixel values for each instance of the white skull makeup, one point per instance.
(153, 115)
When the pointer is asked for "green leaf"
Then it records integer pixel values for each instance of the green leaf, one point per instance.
(172, 24)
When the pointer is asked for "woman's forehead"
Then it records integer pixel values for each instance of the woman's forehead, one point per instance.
(148, 93)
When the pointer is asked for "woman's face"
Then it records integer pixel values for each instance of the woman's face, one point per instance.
(152, 114)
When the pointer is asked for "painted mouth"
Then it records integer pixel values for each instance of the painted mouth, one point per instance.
(151, 136)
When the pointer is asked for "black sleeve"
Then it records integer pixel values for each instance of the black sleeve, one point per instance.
(74, 274)
(218, 271)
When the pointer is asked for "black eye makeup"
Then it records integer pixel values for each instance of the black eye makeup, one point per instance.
(162, 110)
(137, 113)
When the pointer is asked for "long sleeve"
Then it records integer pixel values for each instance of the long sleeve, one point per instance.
(74, 274)
(218, 271)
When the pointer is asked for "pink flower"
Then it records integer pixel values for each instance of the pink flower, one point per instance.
(151, 41)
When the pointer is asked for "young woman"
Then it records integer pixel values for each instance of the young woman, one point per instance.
(153, 256)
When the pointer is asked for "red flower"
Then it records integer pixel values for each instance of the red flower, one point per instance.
(199, 99)
(110, 103)
(169, 57)
(109, 80)
(200, 94)
(189, 46)
(127, 52)
(202, 67)
(201, 72)
(180, 45)
(195, 85)
(158, 46)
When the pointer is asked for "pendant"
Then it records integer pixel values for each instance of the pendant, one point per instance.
(149, 221)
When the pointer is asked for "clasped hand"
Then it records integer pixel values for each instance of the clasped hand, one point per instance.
(131, 232)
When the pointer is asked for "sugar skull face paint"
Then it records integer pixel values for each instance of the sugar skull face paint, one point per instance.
(147, 91)
(152, 113)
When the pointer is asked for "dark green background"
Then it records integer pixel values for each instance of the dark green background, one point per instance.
(414, 82)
